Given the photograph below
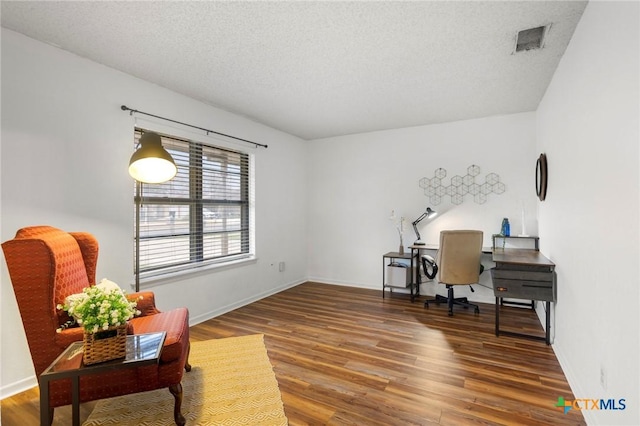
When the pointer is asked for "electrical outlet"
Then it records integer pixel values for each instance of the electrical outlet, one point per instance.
(281, 266)
(603, 378)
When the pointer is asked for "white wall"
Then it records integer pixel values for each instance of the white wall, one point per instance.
(355, 181)
(589, 224)
(65, 151)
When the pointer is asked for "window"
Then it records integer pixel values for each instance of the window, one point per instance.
(201, 216)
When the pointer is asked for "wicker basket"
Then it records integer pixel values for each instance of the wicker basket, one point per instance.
(105, 345)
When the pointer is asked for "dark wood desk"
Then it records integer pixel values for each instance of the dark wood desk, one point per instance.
(142, 349)
(523, 274)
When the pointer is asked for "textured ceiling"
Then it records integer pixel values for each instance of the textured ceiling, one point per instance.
(319, 69)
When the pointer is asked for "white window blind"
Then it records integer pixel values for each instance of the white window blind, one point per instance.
(199, 217)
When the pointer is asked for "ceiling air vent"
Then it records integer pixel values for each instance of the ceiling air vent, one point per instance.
(530, 39)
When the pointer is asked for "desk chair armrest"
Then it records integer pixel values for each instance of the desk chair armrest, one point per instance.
(429, 264)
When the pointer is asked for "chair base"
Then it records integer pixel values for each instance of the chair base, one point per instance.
(451, 300)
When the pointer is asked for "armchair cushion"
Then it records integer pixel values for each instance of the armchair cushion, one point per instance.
(174, 322)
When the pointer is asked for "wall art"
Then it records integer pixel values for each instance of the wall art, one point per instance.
(435, 188)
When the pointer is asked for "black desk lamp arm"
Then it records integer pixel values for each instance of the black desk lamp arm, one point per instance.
(415, 224)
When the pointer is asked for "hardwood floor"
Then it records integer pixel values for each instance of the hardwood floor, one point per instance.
(346, 356)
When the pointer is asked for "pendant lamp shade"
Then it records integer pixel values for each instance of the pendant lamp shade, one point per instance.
(151, 163)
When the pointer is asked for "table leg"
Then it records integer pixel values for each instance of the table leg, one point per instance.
(44, 402)
(383, 274)
(75, 399)
(413, 279)
(548, 327)
(418, 277)
(415, 254)
(411, 284)
(498, 302)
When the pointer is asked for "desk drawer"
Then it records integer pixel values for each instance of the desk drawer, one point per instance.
(522, 275)
(522, 289)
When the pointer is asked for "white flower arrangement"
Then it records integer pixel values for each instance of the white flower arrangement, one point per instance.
(99, 307)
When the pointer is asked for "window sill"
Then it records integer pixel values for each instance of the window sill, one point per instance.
(172, 277)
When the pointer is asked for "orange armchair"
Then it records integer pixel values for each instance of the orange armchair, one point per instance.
(46, 265)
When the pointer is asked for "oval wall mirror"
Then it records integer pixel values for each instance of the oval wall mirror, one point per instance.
(541, 177)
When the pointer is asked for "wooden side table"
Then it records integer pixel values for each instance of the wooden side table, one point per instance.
(406, 256)
(142, 349)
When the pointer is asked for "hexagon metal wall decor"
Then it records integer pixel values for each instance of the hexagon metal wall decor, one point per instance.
(459, 186)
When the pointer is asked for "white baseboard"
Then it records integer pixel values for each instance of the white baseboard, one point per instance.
(258, 296)
(15, 388)
(342, 283)
(480, 296)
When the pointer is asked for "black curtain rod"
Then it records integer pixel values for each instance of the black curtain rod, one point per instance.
(125, 108)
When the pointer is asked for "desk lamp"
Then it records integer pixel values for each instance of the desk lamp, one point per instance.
(429, 213)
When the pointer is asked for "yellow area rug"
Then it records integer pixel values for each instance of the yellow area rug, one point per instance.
(231, 382)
